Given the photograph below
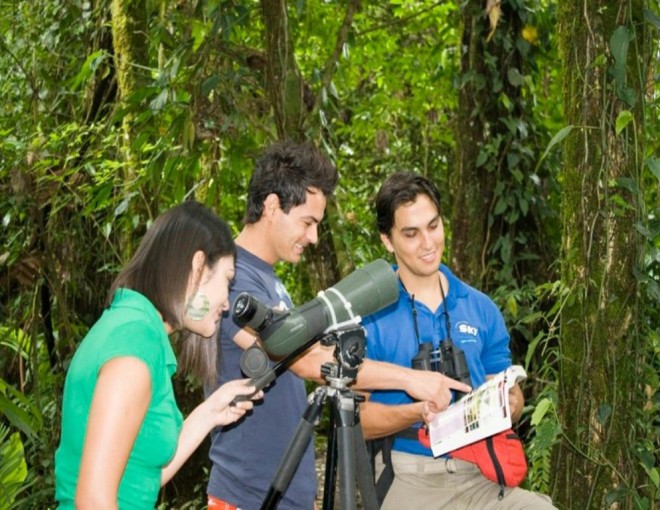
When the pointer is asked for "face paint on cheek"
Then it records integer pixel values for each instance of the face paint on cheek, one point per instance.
(198, 307)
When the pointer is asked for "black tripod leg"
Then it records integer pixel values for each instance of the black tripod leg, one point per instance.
(330, 464)
(296, 449)
(345, 407)
(364, 469)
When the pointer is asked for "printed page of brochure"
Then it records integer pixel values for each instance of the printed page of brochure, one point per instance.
(479, 414)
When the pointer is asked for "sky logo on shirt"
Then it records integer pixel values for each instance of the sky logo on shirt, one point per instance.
(467, 332)
(283, 295)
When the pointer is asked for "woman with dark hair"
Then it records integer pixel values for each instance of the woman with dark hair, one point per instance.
(123, 435)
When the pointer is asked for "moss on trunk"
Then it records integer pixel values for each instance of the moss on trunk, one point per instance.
(600, 249)
(129, 40)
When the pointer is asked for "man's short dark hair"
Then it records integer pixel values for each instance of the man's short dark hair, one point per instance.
(288, 169)
(399, 189)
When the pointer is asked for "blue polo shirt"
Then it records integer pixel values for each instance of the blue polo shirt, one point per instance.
(477, 327)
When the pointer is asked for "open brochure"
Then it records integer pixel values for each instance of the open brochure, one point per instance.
(479, 414)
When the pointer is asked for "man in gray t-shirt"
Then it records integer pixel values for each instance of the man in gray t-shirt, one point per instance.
(245, 457)
(286, 202)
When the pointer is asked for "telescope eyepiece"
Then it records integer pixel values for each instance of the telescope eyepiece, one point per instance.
(241, 307)
(249, 311)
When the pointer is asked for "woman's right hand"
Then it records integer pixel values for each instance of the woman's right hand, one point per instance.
(223, 406)
(215, 411)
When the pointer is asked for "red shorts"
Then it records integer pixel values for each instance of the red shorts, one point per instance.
(218, 504)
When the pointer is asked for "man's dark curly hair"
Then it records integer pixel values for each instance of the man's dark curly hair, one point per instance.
(288, 169)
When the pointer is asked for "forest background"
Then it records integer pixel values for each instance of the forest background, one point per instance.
(538, 119)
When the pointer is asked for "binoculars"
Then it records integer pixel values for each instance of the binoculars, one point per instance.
(448, 360)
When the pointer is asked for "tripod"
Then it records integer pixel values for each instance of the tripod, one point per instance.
(347, 451)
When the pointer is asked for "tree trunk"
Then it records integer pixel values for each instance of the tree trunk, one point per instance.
(598, 388)
(131, 56)
(490, 228)
(292, 101)
(471, 188)
(129, 34)
(284, 84)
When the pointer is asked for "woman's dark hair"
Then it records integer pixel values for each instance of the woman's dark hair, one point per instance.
(399, 189)
(288, 169)
(160, 270)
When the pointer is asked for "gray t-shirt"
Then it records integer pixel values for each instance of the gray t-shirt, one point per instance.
(246, 455)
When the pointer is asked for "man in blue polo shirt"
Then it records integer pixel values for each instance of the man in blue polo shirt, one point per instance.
(433, 305)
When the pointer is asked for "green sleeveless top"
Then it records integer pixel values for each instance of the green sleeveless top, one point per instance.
(131, 326)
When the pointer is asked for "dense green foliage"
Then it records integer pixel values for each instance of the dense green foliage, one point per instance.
(84, 170)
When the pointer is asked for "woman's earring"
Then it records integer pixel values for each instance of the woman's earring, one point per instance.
(198, 307)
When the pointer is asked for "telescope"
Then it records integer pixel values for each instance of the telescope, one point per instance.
(363, 292)
(333, 316)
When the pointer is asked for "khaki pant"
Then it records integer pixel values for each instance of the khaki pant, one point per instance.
(450, 484)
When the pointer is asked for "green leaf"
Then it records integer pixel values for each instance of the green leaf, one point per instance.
(618, 74)
(615, 496)
(643, 230)
(501, 206)
(512, 306)
(13, 468)
(559, 137)
(333, 90)
(159, 101)
(654, 474)
(88, 68)
(599, 61)
(650, 17)
(628, 95)
(123, 205)
(481, 158)
(603, 413)
(653, 290)
(619, 43)
(504, 99)
(199, 31)
(546, 434)
(628, 184)
(512, 160)
(12, 451)
(188, 133)
(623, 119)
(540, 411)
(517, 175)
(646, 458)
(653, 165)
(531, 348)
(655, 477)
(10, 398)
(209, 84)
(515, 78)
(140, 140)
(510, 123)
